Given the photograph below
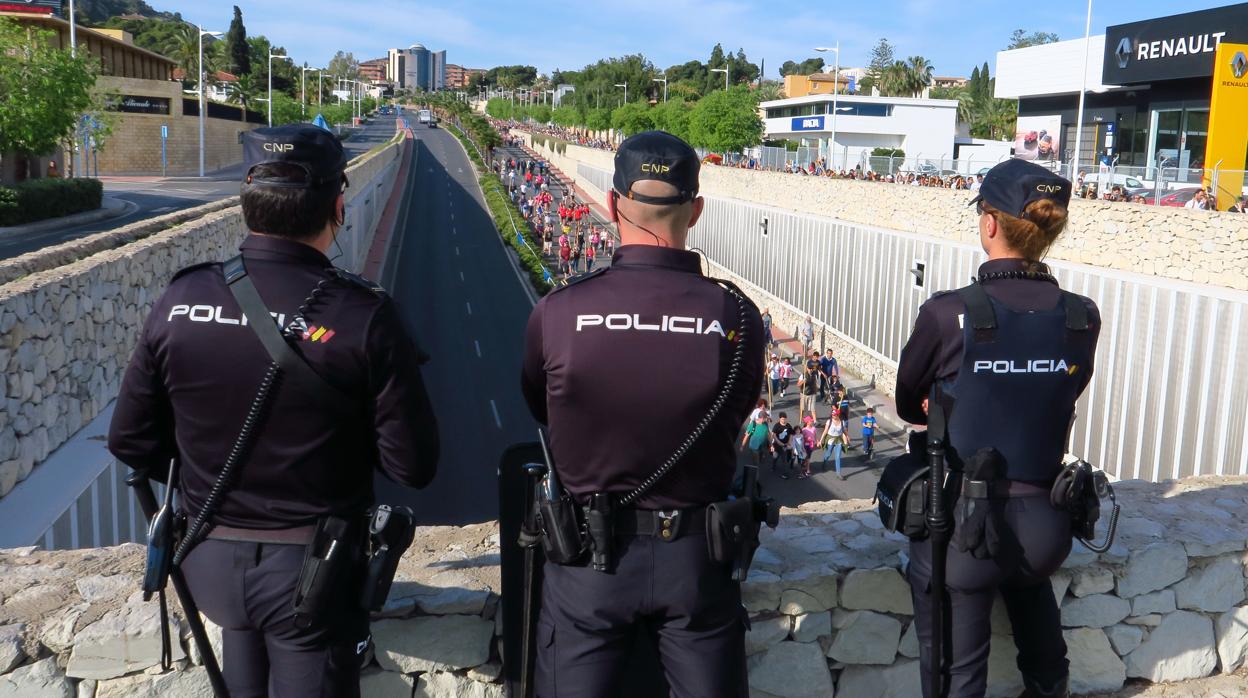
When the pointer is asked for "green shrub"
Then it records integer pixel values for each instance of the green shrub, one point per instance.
(51, 197)
(888, 153)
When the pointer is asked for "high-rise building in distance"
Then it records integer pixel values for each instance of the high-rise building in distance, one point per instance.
(416, 68)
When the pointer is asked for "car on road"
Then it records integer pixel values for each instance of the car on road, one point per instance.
(427, 118)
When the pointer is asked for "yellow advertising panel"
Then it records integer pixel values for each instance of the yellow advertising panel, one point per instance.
(1227, 147)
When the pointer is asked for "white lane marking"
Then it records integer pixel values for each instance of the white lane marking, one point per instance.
(477, 344)
(469, 307)
(494, 409)
(454, 231)
(452, 215)
(457, 250)
(461, 276)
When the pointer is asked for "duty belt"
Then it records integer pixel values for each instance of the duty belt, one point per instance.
(301, 535)
(665, 525)
(1002, 489)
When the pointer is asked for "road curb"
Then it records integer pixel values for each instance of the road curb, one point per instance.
(104, 212)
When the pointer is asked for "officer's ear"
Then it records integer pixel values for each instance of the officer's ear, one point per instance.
(698, 205)
(340, 210)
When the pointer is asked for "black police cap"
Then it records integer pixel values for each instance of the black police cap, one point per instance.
(659, 156)
(316, 151)
(1012, 185)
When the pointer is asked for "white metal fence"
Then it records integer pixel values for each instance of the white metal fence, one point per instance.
(1166, 398)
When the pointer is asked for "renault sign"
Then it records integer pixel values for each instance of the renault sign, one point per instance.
(1171, 48)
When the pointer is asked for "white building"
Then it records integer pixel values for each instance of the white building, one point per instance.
(923, 128)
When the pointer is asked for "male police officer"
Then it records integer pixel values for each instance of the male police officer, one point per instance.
(669, 336)
(189, 390)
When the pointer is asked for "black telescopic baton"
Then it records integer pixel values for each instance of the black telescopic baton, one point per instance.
(937, 525)
(142, 486)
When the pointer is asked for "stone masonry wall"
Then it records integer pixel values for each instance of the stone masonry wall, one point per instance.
(830, 609)
(66, 332)
(1199, 246)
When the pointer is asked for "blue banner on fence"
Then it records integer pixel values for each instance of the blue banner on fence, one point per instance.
(545, 274)
(519, 238)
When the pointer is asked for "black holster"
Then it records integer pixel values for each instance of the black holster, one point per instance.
(600, 525)
(1075, 491)
(978, 516)
(563, 532)
(732, 526)
(390, 533)
(329, 563)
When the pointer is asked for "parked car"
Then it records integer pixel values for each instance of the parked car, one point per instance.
(1177, 198)
(1105, 180)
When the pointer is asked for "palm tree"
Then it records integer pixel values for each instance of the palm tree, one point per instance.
(245, 91)
(919, 74)
(184, 49)
(769, 90)
(895, 80)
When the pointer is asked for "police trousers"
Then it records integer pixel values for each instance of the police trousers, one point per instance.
(248, 589)
(1021, 574)
(671, 591)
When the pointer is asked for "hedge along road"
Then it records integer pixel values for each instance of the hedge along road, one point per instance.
(463, 299)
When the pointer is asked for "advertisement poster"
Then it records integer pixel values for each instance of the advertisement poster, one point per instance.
(1038, 138)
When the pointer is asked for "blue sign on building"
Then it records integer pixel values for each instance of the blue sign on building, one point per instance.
(808, 123)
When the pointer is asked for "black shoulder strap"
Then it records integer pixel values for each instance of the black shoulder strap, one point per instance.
(357, 280)
(1076, 312)
(979, 311)
(295, 370)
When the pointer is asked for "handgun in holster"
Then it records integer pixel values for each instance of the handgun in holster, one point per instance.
(733, 526)
(164, 532)
(390, 533)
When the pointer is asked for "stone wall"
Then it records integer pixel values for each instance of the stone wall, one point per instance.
(66, 332)
(830, 609)
(1199, 246)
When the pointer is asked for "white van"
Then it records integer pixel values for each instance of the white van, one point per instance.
(1105, 181)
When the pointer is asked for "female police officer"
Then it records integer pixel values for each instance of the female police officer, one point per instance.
(1005, 358)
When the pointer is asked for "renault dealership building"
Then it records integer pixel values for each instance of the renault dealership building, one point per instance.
(1149, 87)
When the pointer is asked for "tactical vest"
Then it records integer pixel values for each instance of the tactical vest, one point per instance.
(1018, 383)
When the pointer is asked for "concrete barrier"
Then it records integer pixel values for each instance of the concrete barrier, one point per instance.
(830, 609)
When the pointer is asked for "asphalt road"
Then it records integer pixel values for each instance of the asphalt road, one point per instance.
(460, 295)
(147, 197)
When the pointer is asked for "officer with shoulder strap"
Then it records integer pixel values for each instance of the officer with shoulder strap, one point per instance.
(1003, 361)
(277, 385)
(644, 451)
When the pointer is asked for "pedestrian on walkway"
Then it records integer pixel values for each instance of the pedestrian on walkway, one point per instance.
(833, 441)
(807, 335)
(758, 437)
(810, 440)
(773, 374)
(786, 374)
(590, 254)
(868, 433)
(767, 328)
(782, 444)
(808, 390)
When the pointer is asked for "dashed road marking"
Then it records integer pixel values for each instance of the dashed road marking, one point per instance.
(457, 250)
(477, 344)
(494, 409)
(469, 306)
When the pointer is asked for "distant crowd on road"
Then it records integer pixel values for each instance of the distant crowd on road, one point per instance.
(574, 136)
(564, 223)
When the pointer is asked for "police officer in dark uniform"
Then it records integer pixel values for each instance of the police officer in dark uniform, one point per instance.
(624, 365)
(1008, 356)
(192, 385)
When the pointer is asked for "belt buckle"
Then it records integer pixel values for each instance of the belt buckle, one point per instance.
(669, 525)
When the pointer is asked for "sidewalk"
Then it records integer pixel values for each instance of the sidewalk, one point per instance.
(110, 207)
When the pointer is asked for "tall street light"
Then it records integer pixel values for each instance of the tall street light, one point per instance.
(271, 57)
(202, 109)
(836, 89)
(664, 81)
(725, 72)
(625, 86)
(303, 91)
(1083, 91)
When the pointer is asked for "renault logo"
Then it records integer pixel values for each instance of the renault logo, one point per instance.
(1239, 65)
(1123, 52)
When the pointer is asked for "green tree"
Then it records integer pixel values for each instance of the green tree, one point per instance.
(185, 51)
(285, 110)
(769, 90)
(726, 121)
(540, 113)
(1020, 38)
(882, 59)
(598, 119)
(236, 45)
(45, 90)
(632, 118)
(343, 65)
(568, 116)
(673, 116)
(247, 91)
(806, 67)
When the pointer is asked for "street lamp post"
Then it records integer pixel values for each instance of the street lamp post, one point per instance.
(725, 72)
(202, 33)
(303, 91)
(664, 81)
(836, 89)
(625, 86)
(1083, 91)
(271, 57)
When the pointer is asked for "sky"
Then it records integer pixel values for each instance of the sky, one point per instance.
(954, 35)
